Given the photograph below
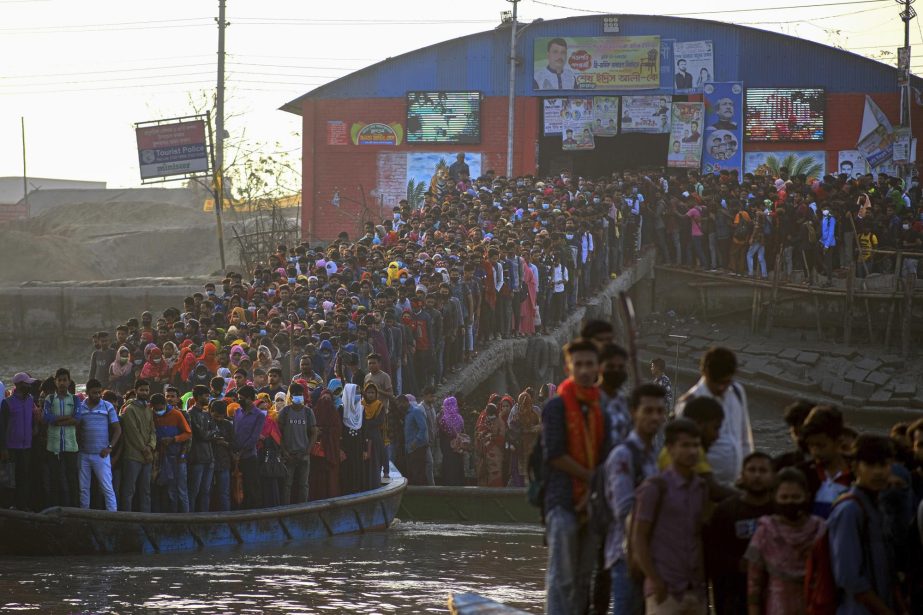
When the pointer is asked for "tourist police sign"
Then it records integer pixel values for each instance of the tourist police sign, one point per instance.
(172, 148)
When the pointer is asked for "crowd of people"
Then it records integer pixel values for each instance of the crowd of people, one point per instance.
(660, 512)
(310, 376)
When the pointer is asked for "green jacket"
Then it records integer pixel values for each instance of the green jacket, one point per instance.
(138, 431)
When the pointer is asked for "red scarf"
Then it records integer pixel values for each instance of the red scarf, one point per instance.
(584, 435)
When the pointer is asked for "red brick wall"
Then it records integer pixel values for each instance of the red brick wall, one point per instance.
(371, 178)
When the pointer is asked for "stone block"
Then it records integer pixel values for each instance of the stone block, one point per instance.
(808, 358)
(760, 349)
(789, 354)
(863, 389)
(878, 378)
(852, 400)
(826, 384)
(892, 360)
(841, 388)
(771, 371)
(756, 364)
(880, 397)
(856, 375)
(905, 389)
(697, 343)
(869, 364)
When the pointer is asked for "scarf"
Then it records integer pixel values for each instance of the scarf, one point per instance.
(490, 287)
(371, 409)
(352, 411)
(119, 370)
(451, 421)
(209, 357)
(584, 435)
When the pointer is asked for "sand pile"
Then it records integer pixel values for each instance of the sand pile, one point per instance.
(114, 239)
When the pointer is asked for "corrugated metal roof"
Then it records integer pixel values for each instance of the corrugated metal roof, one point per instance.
(479, 61)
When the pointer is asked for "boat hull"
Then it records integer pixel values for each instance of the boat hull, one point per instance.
(467, 505)
(75, 531)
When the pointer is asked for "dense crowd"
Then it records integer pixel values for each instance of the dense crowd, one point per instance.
(704, 520)
(309, 377)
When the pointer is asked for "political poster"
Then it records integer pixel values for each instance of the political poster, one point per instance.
(556, 110)
(811, 164)
(666, 64)
(876, 137)
(596, 63)
(686, 135)
(723, 145)
(646, 114)
(605, 116)
(851, 163)
(577, 125)
(693, 66)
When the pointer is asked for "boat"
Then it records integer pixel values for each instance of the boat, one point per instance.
(77, 531)
(467, 505)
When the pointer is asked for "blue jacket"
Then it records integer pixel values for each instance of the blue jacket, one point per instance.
(828, 231)
(416, 433)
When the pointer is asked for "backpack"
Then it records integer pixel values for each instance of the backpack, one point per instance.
(744, 229)
(821, 595)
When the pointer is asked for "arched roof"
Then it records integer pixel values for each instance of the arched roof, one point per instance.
(758, 58)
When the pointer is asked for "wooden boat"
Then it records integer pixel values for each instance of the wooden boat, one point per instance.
(76, 531)
(467, 505)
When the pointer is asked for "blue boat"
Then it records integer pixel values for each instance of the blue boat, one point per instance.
(77, 531)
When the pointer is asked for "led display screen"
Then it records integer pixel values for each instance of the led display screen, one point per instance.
(776, 114)
(443, 117)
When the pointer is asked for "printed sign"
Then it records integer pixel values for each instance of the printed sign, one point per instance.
(851, 162)
(604, 114)
(376, 133)
(336, 133)
(723, 145)
(810, 164)
(596, 63)
(876, 137)
(177, 148)
(693, 65)
(577, 125)
(646, 114)
(666, 63)
(686, 135)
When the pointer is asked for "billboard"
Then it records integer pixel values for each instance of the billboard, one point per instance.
(693, 66)
(779, 114)
(876, 137)
(810, 164)
(596, 63)
(602, 112)
(577, 125)
(851, 162)
(170, 149)
(723, 145)
(686, 135)
(646, 114)
(444, 117)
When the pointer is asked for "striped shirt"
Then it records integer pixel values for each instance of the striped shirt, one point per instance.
(94, 426)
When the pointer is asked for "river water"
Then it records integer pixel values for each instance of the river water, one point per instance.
(410, 569)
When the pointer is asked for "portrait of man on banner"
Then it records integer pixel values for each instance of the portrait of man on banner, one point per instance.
(556, 75)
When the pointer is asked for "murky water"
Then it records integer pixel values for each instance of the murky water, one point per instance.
(410, 569)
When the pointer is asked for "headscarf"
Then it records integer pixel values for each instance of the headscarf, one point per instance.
(171, 360)
(371, 408)
(240, 313)
(120, 370)
(451, 422)
(352, 410)
(209, 358)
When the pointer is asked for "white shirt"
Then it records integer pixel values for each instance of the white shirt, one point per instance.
(546, 79)
(735, 440)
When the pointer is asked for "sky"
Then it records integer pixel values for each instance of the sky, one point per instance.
(82, 73)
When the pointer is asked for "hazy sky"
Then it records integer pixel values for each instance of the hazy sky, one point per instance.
(82, 73)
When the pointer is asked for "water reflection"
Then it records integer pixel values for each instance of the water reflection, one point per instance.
(410, 569)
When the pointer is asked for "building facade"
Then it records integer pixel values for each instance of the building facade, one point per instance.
(369, 133)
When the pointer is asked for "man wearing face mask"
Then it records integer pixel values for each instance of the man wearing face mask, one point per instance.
(612, 375)
(139, 439)
(298, 427)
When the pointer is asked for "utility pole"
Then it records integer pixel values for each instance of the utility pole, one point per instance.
(25, 177)
(511, 114)
(218, 171)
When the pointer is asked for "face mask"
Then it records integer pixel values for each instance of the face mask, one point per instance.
(826, 213)
(614, 378)
(160, 412)
(297, 399)
(157, 360)
(906, 227)
(545, 205)
(403, 280)
(569, 235)
(211, 293)
(123, 359)
(291, 280)
(791, 511)
(596, 201)
(178, 335)
(263, 332)
(397, 216)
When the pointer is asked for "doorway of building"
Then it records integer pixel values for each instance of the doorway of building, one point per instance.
(624, 151)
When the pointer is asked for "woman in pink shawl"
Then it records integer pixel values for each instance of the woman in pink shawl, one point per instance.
(451, 426)
(527, 307)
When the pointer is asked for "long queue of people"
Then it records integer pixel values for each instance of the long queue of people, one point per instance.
(659, 512)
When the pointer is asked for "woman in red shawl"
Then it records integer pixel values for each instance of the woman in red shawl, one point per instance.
(489, 436)
(324, 475)
(527, 307)
(185, 364)
(210, 357)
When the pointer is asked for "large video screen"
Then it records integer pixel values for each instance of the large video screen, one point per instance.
(777, 114)
(443, 117)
